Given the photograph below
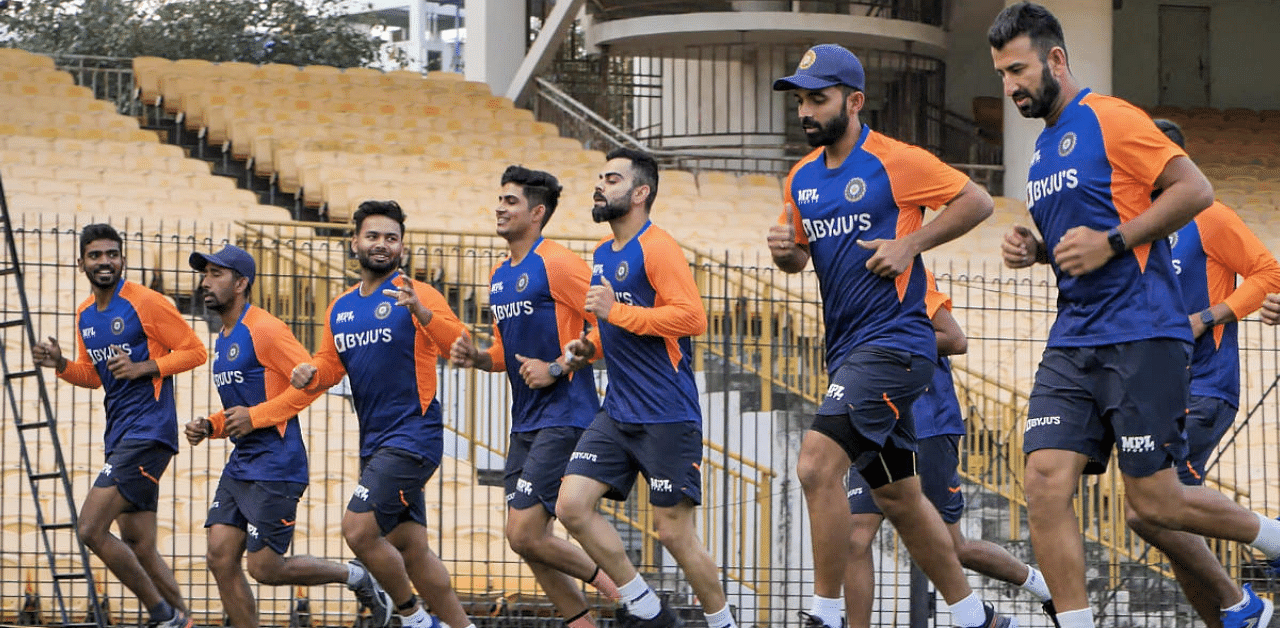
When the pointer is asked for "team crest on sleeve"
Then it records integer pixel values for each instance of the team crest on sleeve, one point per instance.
(622, 272)
(383, 310)
(522, 282)
(1067, 144)
(117, 325)
(807, 60)
(233, 352)
(855, 189)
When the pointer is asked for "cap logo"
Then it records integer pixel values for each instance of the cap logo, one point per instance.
(1067, 144)
(854, 191)
(383, 310)
(807, 60)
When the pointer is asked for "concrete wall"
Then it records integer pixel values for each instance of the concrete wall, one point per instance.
(1243, 46)
(968, 58)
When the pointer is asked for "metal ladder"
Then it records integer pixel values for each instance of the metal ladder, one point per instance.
(42, 480)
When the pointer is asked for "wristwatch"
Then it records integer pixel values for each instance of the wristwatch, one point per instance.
(1206, 317)
(555, 370)
(1116, 239)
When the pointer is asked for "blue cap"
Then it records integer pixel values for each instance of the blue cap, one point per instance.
(821, 67)
(230, 256)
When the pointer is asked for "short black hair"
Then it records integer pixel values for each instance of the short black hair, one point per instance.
(390, 209)
(1172, 131)
(540, 188)
(99, 231)
(1032, 20)
(645, 168)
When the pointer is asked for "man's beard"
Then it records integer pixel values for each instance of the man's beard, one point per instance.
(609, 211)
(378, 267)
(105, 283)
(1039, 106)
(828, 133)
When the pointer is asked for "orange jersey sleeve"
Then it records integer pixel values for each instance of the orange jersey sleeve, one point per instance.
(495, 351)
(1137, 150)
(677, 311)
(934, 300)
(918, 178)
(1233, 250)
(80, 372)
(329, 369)
(569, 278)
(171, 342)
(444, 327)
(278, 352)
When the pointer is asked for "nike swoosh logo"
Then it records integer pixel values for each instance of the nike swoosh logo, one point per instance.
(953, 489)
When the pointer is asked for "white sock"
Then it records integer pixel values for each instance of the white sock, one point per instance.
(354, 575)
(1239, 606)
(829, 609)
(968, 612)
(1035, 584)
(721, 619)
(641, 600)
(1082, 618)
(1268, 536)
(418, 618)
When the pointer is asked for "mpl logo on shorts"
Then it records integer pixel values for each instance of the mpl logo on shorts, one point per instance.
(1137, 444)
(835, 391)
(660, 486)
(857, 490)
(361, 493)
(252, 529)
(106, 469)
(117, 325)
(383, 310)
(524, 486)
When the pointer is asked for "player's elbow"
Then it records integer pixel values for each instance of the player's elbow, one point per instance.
(952, 344)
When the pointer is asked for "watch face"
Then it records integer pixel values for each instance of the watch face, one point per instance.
(555, 369)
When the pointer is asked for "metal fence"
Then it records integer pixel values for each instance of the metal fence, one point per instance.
(760, 372)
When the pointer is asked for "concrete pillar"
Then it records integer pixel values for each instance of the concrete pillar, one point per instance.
(496, 33)
(1086, 25)
(417, 44)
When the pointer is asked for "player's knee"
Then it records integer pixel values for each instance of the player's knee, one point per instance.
(674, 531)
(1163, 511)
(815, 469)
(357, 533)
(522, 540)
(89, 534)
(268, 570)
(572, 513)
(222, 560)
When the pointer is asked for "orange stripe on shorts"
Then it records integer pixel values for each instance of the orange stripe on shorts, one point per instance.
(147, 475)
(896, 415)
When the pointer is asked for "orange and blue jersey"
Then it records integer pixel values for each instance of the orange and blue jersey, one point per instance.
(1096, 167)
(391, 361)
(145, 326)
(1208, 254)
(647, 339)
(878, 192)
(937, 411)
(252, 363)
(547, 290)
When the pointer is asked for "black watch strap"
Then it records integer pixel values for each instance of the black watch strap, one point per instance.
(1206, 317)
(1116, 239)
(555, 370)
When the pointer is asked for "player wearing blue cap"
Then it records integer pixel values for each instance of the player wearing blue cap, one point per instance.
(255, 506)
(1115, 369)
(855, 205)
(131, 340)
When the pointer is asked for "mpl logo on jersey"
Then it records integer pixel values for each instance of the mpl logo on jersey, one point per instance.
(88, 332)
(346, 317)
(807, 196)
(495, 288)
